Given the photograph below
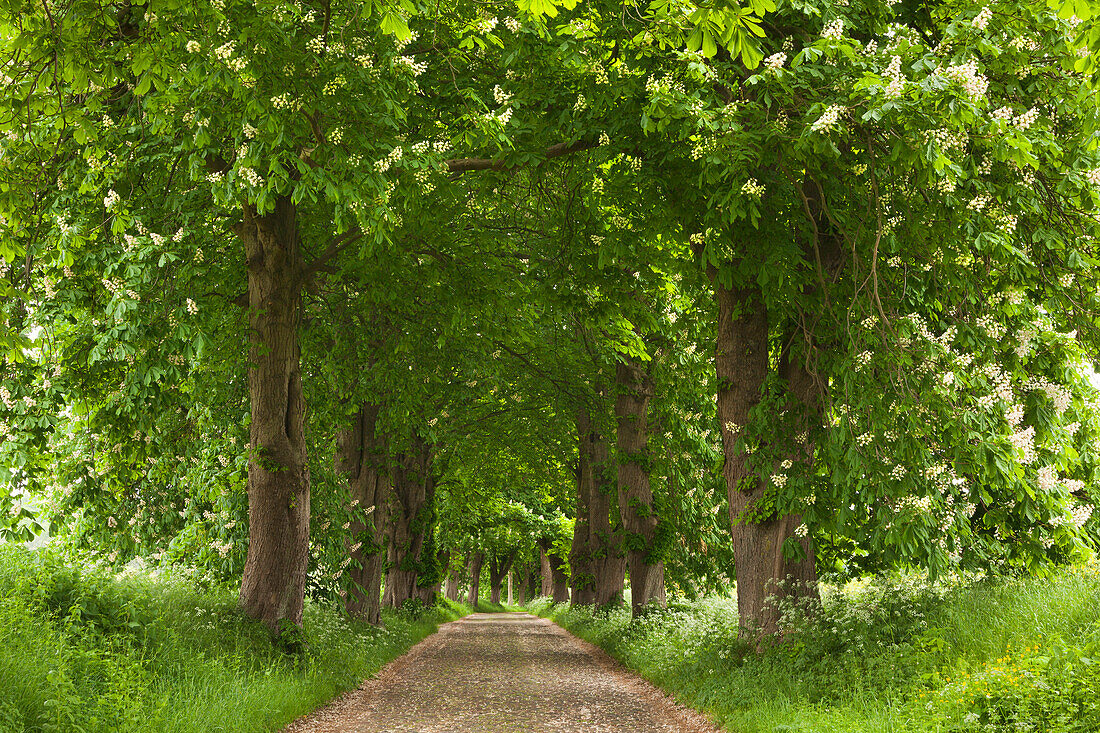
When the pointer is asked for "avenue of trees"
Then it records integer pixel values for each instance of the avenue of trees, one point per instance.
(369, 301)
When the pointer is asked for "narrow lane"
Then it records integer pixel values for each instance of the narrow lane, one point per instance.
(503, 673)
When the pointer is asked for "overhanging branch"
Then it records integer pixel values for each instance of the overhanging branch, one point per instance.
(458, 166)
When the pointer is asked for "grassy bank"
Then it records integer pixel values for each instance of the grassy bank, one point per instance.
(85, 651)
(882, 655)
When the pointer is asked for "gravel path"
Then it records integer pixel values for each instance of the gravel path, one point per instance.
(503, 673)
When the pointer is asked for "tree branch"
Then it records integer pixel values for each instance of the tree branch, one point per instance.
(458, 166)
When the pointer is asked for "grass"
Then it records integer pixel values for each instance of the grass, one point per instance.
(889, 654)
(86, 651)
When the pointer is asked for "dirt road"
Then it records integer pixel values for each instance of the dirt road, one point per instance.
(503, 673)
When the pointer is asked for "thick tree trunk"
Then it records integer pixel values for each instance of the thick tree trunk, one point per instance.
(742, 366)
(273, 583)
(532, 585)
(453, 581)
(640, 521)
(411, 520)
(498, 570)
(476, 561)
(596, 558)
(559, 590)
(361, 458)
(521, 587)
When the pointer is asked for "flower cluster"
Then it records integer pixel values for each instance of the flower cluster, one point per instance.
(897, 81)
(1027, 119)
(423, 177)
(284, 101)
(981, 20)
(383, 164)
(227, 53)
(828, 119)
(414, 67)
(250, 175)
(334, 85)
(753, 189)
(775, 62)
(967, 75)
(833, 29)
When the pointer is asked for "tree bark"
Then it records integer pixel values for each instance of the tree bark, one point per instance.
(411, 520)
(273, 583)
(545, 574)
(596, 558)
(640, 521)
(499, 565)
(742, 364)
(532, 585)
(453, 580)
(361, 458)
(476, 561)
(559, 581)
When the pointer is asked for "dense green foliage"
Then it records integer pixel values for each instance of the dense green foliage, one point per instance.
(86, 650)
(893, 653)
(899, 200)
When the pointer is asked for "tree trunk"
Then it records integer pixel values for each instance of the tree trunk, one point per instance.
(452, 581)
(640, 521)
(545, 574)
(499, 565)
(273, 583)
(521, 587)
(532, 585)
(476, 561)
(361, 458)
(412, 517)
(559, 590)
(596, 558)
(742, 365)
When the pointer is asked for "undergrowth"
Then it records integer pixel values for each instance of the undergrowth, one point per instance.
(84, 650)
(888, 654)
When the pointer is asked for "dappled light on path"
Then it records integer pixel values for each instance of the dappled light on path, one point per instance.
(503, 673)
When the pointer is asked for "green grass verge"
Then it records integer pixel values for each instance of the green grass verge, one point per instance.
(897, 654)
(86, 651)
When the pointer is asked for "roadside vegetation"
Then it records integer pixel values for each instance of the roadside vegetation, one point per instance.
(86, 650)
(887, 654)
